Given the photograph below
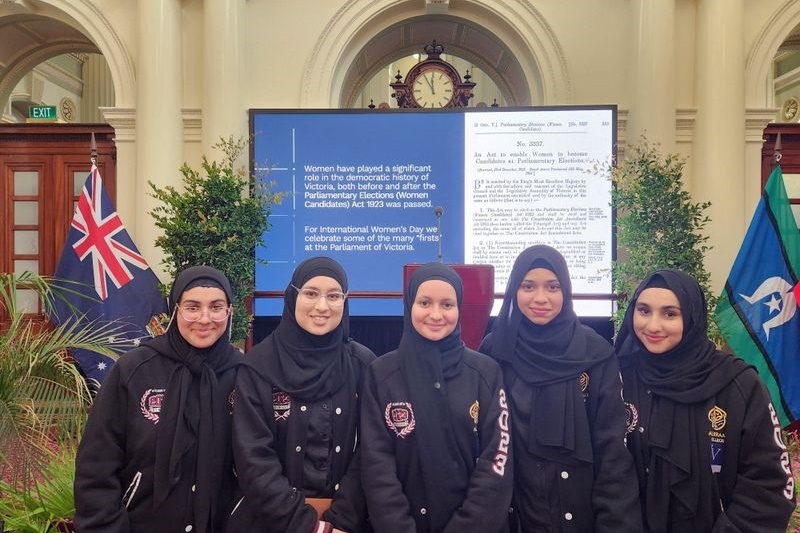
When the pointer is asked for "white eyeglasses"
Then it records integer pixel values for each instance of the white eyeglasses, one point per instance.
(193, 313)
(334, 299)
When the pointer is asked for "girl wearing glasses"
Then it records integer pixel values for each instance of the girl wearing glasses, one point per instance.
(573, 472)
(436, 447)
(704, 435)
(155, 454)
(295, 418)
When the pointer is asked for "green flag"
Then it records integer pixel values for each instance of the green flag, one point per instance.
(757, 312)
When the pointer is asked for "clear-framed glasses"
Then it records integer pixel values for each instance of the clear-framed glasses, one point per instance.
(334, 299)
(193, 312)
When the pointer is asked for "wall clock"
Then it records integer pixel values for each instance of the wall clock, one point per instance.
(432, 83)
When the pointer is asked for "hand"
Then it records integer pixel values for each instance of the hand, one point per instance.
(338, 531)
(429, 79)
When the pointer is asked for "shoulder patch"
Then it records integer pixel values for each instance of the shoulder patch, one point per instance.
(399, 417)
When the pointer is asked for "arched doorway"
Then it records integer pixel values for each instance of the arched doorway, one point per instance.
(54, 54)
(511, 43)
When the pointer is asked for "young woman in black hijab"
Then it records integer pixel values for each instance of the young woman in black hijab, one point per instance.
(436, 449)
(572, 471)
(295, 416)
(701, 427)
(155, 455)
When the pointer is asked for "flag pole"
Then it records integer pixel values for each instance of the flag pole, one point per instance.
(777, 152)
(93, 157)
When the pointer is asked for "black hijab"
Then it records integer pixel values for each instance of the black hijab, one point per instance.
(694, 369)
(304, 365)
(690, 373)
(427, 366)
(195, 409)
(549, 357)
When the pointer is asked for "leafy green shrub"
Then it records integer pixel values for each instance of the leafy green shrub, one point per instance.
(658, 224)
(214, 222)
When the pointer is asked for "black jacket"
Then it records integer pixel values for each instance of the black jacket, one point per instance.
(115, 460)
(754, 487)
(393, 479)
(573, 496)
(270, 444)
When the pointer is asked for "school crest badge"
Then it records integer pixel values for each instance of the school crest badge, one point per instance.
(475, 412)
(584, 381)
(718, 418)
(151, 404)
(399, 417)
(281, 405)
(631, 417)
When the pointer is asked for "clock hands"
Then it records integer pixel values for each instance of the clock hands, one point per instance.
(429, 80)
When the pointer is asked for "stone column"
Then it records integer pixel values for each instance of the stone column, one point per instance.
(223, 59)
(653, 113)
(159, 129)
(719, 150)
(124, 122)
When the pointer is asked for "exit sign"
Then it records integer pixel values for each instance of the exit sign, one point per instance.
(42, 112)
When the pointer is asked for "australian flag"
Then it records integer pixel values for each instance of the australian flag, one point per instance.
(757, 312)
(100, 260)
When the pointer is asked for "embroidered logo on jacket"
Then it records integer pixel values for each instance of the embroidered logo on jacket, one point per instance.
(281, 405)
(584, 380)
(788, 490)
(718, 418)
(151, 404)
(231, 401)
(501, 456)
(631, 417)
(475, 412)
(399, 417)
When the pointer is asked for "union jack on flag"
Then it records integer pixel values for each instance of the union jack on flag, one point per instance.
(96, 259)
(98, 238)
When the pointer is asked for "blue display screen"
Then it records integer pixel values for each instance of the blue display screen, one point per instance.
(378, 189)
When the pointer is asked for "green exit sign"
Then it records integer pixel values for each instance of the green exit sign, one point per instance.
(42, 112)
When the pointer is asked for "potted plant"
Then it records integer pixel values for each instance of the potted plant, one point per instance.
(218, 219)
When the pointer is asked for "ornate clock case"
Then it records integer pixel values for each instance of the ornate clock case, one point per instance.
(432, 83)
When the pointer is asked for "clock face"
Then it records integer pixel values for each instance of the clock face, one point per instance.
(432, 88)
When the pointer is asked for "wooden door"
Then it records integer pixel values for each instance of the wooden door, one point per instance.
(42, 172)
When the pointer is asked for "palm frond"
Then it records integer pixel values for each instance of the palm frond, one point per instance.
(43, 395)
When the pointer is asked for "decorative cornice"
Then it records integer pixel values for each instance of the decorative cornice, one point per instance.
(123, 120)
(192, 124)
(684, 124)
(622, 131)
(755, 120)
